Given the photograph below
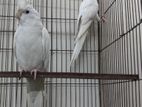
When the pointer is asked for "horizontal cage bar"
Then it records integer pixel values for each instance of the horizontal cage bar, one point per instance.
(72, 75)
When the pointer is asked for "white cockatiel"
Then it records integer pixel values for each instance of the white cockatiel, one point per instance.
(32, 47)
(87, 13)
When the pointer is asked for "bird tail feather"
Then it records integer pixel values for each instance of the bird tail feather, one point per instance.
(83, 29)
(34, 90)
(78, 47)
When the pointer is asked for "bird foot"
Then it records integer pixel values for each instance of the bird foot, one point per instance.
(21, 72)
(34, 71)
(103, 19)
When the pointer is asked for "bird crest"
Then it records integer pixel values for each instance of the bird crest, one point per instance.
(21, 4)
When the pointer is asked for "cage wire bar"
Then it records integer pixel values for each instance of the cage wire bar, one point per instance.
(112, 48)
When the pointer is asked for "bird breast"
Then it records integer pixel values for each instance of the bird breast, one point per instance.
(29, 50)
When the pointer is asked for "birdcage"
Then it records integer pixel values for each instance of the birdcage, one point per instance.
(108, 70)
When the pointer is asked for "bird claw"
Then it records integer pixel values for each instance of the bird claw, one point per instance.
(35, 73)
(103, 19)
(21, 72)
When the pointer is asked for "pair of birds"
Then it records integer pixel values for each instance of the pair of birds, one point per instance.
(32, 41)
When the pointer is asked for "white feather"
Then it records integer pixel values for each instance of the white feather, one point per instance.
(87, 13)
(78, 47)
(32, 46)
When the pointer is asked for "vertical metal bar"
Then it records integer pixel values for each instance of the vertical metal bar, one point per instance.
(56, 60)
(61, 40)
(93, 81)
(128, 95)
(66, 88)
(74, 4)
(51, 62)
(70, 12)
(139, 91)
(80, 97)
(139, 34)
(122, 56)
(136, 55)
(124, 49)
(131, 52)
(99, 57)
(47, 86)
(7, 53)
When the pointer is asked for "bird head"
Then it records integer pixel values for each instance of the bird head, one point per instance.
(26, 12)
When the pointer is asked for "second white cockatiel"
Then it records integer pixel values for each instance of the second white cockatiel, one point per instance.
(87, 13)
(32, 47)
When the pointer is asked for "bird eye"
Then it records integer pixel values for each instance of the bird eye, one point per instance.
(27, 11)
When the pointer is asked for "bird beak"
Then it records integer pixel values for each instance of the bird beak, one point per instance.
(19, 13)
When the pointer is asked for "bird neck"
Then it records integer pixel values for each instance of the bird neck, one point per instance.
(30, 22)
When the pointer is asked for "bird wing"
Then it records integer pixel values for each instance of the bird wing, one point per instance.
(14, 44)
(82, 29)
(78, 23)
(87, 13)
(46, 47)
